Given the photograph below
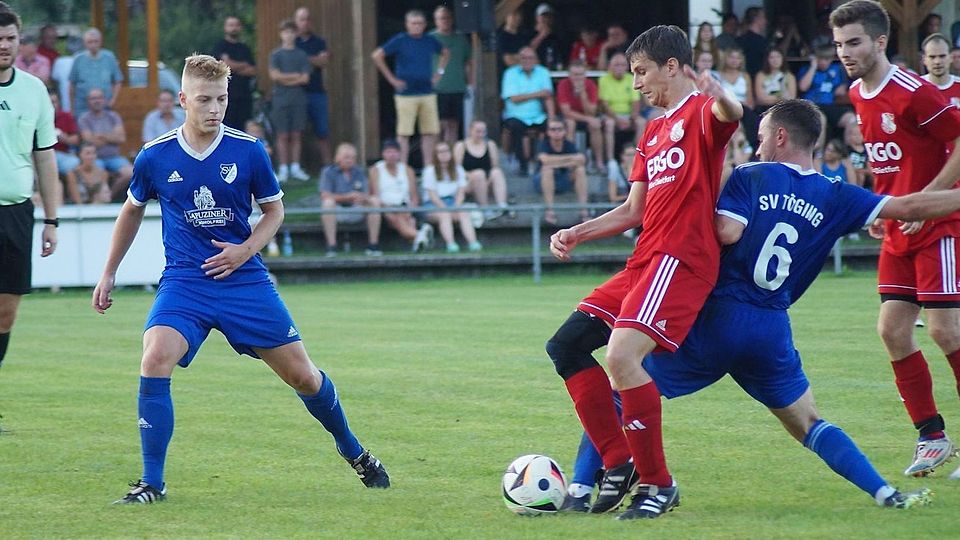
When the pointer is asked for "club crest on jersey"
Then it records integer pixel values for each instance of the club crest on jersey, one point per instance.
(207, 214)
(228, 172)
(887, 124)
(676, 132)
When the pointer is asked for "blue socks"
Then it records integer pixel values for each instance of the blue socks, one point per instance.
(155, 408)
(842, 455)
(325, 407)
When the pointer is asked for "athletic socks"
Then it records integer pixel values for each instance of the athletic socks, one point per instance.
(155, 408)
(642, 427)
(953, 358)
(4, 341)
(841, 454)
(592, 398)
(325, 407)
(588, 461)
(916, 388)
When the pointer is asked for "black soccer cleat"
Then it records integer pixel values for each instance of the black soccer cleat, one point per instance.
(575, 504)
(370, 471)
(652, 502)
(143, 493)
(617, 483)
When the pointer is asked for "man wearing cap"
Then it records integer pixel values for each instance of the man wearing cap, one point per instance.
(546, 43)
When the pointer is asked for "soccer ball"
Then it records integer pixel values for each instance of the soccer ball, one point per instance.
(534, 485)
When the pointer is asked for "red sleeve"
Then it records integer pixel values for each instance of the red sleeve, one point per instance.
(717, 133)
(565, 92)
(934, 114)
(639, 171)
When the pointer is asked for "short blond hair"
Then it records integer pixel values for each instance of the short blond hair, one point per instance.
(205, 67)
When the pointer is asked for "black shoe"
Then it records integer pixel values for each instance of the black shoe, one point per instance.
(652, 502)
(617, 483)
(143, 493)
(370, 471)
(575, 504)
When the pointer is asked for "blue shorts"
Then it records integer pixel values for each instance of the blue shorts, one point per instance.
(249, 314)
(754, 345)
(447, 201)
(562, 181)
(319, 116)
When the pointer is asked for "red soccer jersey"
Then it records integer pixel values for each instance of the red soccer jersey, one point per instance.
(680, 156)
(906, 124)
(951, 91)
(565, 94)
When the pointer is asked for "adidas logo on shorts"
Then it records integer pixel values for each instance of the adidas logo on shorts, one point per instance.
(292, 332)
(662, 325)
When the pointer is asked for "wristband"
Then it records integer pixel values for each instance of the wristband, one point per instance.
(55, 222)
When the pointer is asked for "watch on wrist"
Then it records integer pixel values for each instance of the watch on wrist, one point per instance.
(55, 222)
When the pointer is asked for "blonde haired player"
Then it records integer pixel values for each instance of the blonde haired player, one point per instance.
(204, 174)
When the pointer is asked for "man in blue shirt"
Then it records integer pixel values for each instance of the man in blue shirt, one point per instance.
(317, 107)
(527, 93)
(415, 100)
(824, 82)
(780, 219)
(204, 175)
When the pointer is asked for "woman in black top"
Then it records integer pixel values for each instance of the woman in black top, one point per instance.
(480, 158)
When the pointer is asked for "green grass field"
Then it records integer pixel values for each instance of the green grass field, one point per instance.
(446, 382)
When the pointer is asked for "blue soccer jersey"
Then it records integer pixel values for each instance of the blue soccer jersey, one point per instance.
(793, 219)
(204, 197)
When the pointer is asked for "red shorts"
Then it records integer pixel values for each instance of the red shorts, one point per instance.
(661, 299)
(929, 275)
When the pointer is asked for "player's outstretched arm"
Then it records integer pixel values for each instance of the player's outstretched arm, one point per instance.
(922, 205)
(726, 107)
(232, 256)
(627, 216)
(124, 231)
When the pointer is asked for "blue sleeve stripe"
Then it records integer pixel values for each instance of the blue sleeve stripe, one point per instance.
(735, 217)
(876, 210)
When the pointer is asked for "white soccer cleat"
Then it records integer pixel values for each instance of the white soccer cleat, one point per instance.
(930, 455)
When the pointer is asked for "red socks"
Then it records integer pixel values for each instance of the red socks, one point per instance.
(593, 399)
(954, 359)
(642, 427)
(915, 386)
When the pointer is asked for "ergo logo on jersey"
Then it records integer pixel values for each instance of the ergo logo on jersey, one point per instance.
(880, 152)
(666, 159)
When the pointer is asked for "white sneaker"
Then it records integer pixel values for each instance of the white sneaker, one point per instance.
(283, 174)
(297, 173)
(930, 455)
(919, 323)
(424, 237)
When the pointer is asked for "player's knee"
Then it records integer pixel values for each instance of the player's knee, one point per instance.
(946, 337)
(7, 318)
(307, 382)
(571, 347)
(894, 334)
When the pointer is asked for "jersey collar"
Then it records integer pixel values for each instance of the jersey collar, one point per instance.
(870, 95)
(794, 166)
(682, 101)
(193, 153)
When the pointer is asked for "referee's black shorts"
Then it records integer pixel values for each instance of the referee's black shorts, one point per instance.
(16, 239)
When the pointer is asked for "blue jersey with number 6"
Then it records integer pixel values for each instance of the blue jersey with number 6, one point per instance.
(794, 217)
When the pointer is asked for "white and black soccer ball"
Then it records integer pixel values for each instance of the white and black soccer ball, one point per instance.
(534, 485)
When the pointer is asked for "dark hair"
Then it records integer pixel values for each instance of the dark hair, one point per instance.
(9, 17)
(751, 14)
(825, 50)
(839, 145)
(728, 17)
(870, 14)
(287, 24)
(934, 37)
(660, 44)
(767, 68)
(800, 118)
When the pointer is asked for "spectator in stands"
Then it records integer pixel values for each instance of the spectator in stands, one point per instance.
(955, 61)
(68, 136)
(104, 129)
(786, 37)
(579, 103)
(445, 186)
(317, 103)
(342, 185)
(853, 138)
(739, 151)
(735, 80)
(527, 92)
(48, 43)
(252, 127)
(243, 68)
(510, 39)
(823, 81)
(545, 41)
(754, 41)
(621, 106)
(618, 187)
(458, 76)
(588, 49)
(395, 184)
(480, 159)
(88, 183)
(95, 68)
(706, 42)
(290, 72)
(835, 164)
(562, 167)
(617, 42)
(415, 99)
(166, 117)
(774, 82)
(703, 61)
(31, 61)
(730, 30)
(60, 73)
(932, 24)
